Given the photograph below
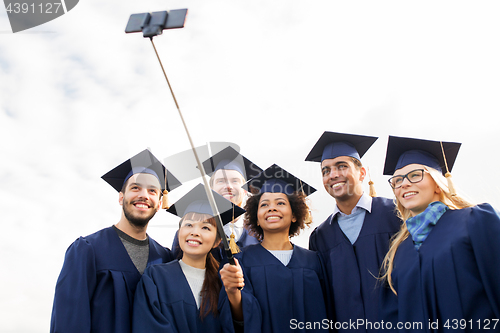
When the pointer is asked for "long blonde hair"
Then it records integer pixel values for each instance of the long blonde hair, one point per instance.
(453, 202)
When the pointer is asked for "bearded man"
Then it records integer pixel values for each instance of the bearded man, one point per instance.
(95, 290)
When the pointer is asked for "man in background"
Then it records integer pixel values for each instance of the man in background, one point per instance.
(228, 171)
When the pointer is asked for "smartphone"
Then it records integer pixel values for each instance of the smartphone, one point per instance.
(156, 21)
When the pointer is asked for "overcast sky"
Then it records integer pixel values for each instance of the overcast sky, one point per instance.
(78, 96)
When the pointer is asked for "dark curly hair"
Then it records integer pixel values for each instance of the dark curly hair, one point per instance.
(299, 209)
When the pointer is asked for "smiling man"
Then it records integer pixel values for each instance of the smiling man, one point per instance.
(94, 292)
(228, 183)
(355, 238)
(228, 171)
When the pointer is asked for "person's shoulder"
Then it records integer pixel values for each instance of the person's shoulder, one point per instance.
(386, 206)
(251, 254)
(94, 238)
(324, 224)
(485, 208)
(306, 253)
(247, 239)
(482, 222)
(103, 233)
(384, 202)
(250, 248)
(160, 248)
(310, 259)
(163, 268)
(89, 246)
(480, 212)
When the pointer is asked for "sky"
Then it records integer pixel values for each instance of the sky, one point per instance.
(78, 96)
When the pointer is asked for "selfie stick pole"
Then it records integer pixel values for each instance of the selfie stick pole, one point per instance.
(210, 196)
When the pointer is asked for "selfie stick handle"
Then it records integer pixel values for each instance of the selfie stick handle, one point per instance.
(208, 191)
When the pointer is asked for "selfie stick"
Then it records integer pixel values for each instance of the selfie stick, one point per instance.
(152, 27)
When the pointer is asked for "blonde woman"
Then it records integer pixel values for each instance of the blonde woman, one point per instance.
(442, 269)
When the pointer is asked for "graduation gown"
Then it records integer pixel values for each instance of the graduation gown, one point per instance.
(352, 269)
(278, 298)
(95, 290)
(165, 303)
(453, 279)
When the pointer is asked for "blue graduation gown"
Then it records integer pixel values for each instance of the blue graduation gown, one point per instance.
(453, 276)
(352, 269)
(164, 302)
(95, 290)
(275, 294)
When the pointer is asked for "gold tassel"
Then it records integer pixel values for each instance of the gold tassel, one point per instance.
(164, 200)
(450, 184)
(373, 194)
(233, 246)
(448, 174)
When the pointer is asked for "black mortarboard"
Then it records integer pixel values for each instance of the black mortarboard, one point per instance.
(230, 159)
(332, 144)
(277, 180)
(405, 151)
(196, 201)
(144, 162)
